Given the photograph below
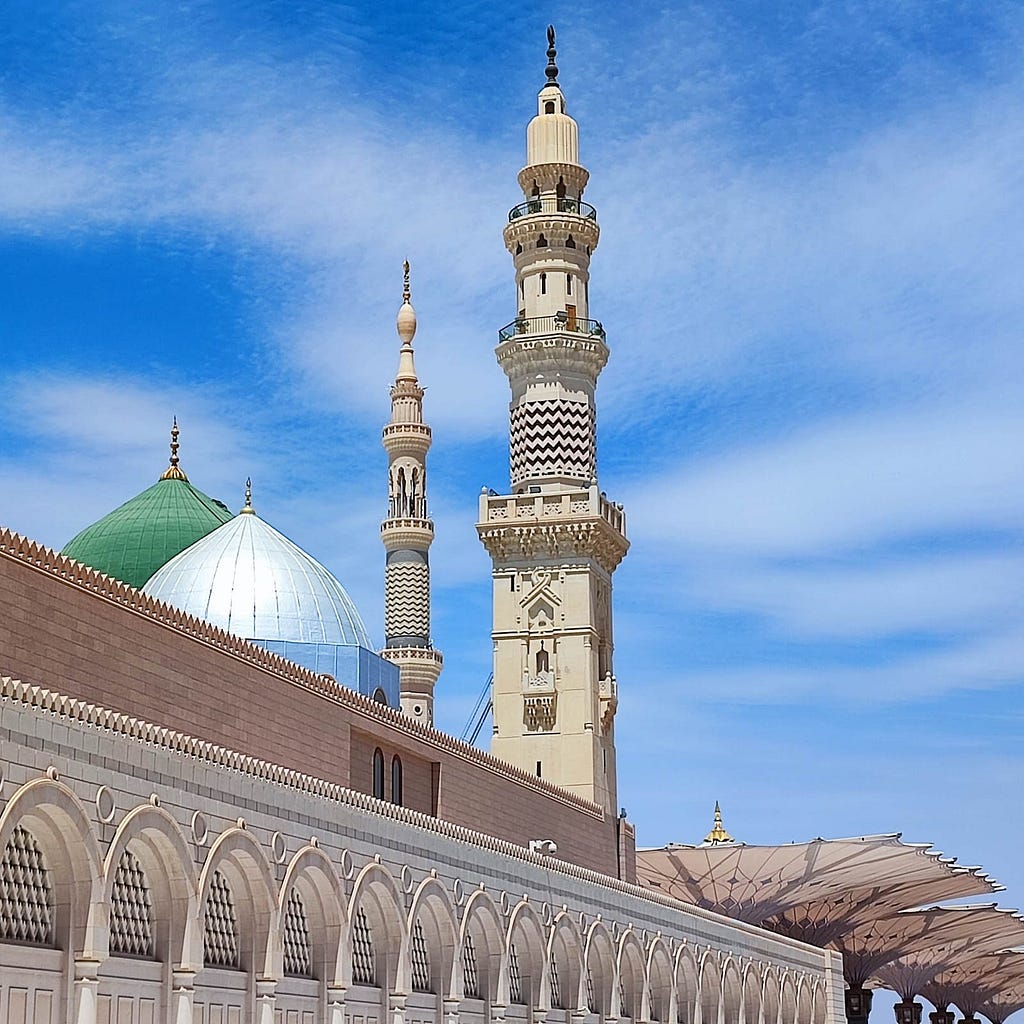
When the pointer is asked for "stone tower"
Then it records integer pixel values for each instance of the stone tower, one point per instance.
(407, 533)
(556, 539)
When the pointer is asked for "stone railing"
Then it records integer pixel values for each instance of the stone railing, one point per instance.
(539, 507)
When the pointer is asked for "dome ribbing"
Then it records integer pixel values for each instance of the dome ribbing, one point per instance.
(147, 531)
(251, 580)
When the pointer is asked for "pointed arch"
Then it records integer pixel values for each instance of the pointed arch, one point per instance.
(752, 987)
(564, 973)
(376, 895)
(156, 841)
(601, 969)
(732, 993)
(237, 860)
(819, 1004)
(482, 951)
(770, 997)
(433, 910)
(660, 990)
(710, 988)
(803, 1000)
(687, 985)
(526, 948)
(631, 972)
(313, 876)
(787, 1000)
(57, 821)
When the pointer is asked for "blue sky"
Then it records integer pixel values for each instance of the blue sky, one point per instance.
(810, 272)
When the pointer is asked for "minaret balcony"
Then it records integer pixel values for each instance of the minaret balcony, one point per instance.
(552, 204)
(560, 323)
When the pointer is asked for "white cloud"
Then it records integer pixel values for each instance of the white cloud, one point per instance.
(852, 483)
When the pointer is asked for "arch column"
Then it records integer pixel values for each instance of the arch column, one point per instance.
(86, 987)
(266, 998)
(183, 993)
(335, 1005)
(396, 1007)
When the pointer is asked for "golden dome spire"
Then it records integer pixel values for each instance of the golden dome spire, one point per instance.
(718, 834)
(172, 472)
(247, 509)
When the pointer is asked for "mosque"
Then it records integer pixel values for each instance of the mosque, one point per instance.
(221, 802)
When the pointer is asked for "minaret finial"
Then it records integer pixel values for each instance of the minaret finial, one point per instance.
(718, 834)
(551, 71)
(173, 472)
(406, 325)
(247, 508)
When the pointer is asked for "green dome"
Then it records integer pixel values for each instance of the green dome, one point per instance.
(145, 533)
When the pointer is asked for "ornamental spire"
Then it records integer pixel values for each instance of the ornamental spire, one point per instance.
(172, 472)
(406, 325)
(247, 509)
(551, 71)
(718, 835)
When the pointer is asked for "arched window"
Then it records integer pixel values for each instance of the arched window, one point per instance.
(420, 960)
(570, 242)
(542, 242)
(396, 780)
(364, 962)
(220, 930)
(298, 953)
(549, 107)
(380, 696)
(542, 661)
(543, 284)
(378, 774)
(515, 979)
(131, 910)
(26, 899)
(470, 975)
(568, 284)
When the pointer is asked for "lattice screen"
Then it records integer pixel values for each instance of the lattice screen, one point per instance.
(298, 951)
(420, 960)
(515, 979)
(220, 933)
(131, 910)
(364, 964)
(556, 992)
(26, 900)
(470, 977)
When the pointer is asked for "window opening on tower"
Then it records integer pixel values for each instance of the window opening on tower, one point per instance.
(549, 107)
(568, 284)
(542, 659)
(542, 242)
(543, 281)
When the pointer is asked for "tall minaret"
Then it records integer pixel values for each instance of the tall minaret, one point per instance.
(556, 539)
(407, 533)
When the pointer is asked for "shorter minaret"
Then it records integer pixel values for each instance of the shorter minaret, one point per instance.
(407, 533)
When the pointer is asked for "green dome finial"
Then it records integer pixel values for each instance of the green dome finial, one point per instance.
(172, 472)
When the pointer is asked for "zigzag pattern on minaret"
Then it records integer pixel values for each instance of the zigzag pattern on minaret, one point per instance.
(556, 437)
(407, 602)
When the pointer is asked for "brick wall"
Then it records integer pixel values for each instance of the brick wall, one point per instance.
(123, 651)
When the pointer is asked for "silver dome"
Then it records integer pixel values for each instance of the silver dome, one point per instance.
(254, 582)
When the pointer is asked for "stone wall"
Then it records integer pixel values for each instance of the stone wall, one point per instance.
(93, 638)
(183, 882)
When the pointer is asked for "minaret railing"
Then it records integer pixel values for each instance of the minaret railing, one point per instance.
(560, 323)
(553, 204)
